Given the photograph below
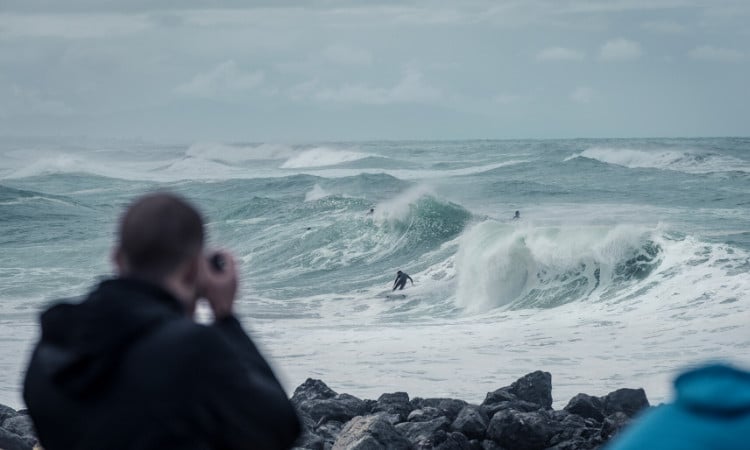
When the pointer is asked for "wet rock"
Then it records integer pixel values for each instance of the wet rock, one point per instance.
(518, 405)
(423, 414)
(447, 407)
(471, 421)
(628, 401)
(12, 441)
(586, 406)
(535, 387)
(20, 425)
(523, 430)
(424, 433)
(613, 423)
(311, 389)
(6, 412)
(454, 441)
(328, 432)
(342, 407)
(370, 433)
(395, 403)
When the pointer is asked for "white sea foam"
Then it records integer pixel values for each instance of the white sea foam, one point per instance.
(688, 161)
(321, 157)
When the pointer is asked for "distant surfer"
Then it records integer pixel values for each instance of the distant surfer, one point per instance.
(517, 215)
(400, 281)
(371, 211)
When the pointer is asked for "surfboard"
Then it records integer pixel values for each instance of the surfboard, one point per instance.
(395, 296)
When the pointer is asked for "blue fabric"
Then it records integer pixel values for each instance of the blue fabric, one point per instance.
(712, 411)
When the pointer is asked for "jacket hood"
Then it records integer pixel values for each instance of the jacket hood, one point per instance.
(82, 343)
(716, 389)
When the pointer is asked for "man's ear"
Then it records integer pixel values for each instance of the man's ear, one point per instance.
(119, 261)
(192, 270)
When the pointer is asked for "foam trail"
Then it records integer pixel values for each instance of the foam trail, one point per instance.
(678, 160)
(322, 156)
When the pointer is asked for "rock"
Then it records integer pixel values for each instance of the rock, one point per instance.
(518, 405)
(312, 389)
(12, 441)
(20, 425)
(613, 423)
(6, 412)
(328, 432)
(535, 387)
(309, 441)
(523, 430)
(454, 441)
(498, 396)
(395, 403)
(423, 414)
(471, 421)
(370, 433)
(447, 407)
(342, 407)
(586, 406)
(628, 401)
(422, 434)
(489, 445)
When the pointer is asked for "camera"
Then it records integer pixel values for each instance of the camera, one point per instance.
(217, 262)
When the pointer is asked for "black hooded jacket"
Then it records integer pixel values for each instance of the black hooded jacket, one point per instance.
(127, 369)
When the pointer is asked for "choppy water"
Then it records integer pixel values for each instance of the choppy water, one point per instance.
(630, 262)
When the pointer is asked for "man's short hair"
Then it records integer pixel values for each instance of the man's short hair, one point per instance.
(157, 233)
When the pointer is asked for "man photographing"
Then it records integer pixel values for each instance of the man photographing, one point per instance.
(129, 368)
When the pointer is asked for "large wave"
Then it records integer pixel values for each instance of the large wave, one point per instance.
(688, 161)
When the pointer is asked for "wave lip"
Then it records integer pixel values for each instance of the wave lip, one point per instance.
(520, 266)
(677, 160)
(321, 157)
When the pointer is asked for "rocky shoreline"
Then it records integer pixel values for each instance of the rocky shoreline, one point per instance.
(515, 417)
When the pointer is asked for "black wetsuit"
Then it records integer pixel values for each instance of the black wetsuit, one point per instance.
(400, 282)
(127, 369)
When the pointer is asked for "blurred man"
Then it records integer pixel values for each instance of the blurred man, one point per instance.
(129, 368)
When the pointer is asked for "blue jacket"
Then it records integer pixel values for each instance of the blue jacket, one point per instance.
(712, 411)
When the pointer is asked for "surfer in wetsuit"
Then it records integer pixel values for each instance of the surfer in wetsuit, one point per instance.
(517, 216)
(400, 281)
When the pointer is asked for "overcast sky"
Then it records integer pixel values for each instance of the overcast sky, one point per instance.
(353, 70)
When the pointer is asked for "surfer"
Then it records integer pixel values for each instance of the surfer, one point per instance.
(371, 211)
(517, 216)
(400, 281)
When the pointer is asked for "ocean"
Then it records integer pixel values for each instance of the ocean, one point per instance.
(630, 260)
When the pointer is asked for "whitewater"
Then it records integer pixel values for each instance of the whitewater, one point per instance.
(630, 262)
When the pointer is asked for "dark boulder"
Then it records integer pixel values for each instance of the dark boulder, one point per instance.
(519, 405)
(586, 406)
(312, 389)
(523, 430)
(535, 387)
(501, 395)
(6, 412)
(423, 414)
(447, 407)
(471, 421)
(424, 434)
(395, 403)
(342, 407)
(20, 425)
(328, 432)
(12, 441)
(370, 433)
(454, 441)
(628, 401)
(613, 423)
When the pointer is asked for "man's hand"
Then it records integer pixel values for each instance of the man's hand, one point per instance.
(219, 285)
